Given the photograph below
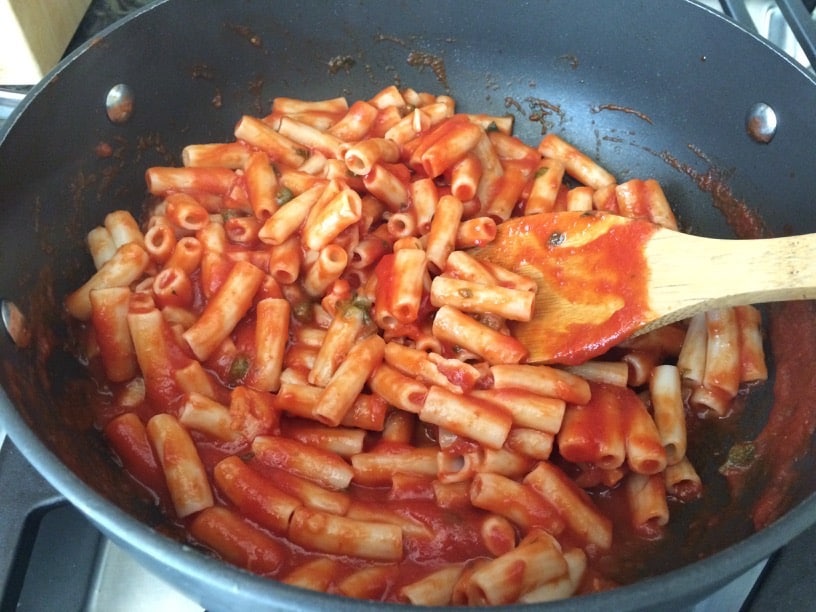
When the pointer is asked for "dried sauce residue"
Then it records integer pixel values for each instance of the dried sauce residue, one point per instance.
(341, 63)
(434, 62)
(246, 32)
(622, 109)
(741, 218)
(420, 59)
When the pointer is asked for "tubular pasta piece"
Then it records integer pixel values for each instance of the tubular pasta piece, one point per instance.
(338, 535)
(316, 575)
(185, 212)
(507, 191)
(370, 583)
(152, 342)
(172, 287)
(410, 267)
(123, 228)
(442, 235)
(480, 421)
(343, 441)
(348, 380)
(608, 372)
(263, 136)
(100, 245)
(285, 261)
(647, 503)
(721, 377)
(237, 541)
(109, 309)
(498, 534)
(564, 587)
(544, 380)
(161, 180)
(341, 335)
(547, 182)
(261, 185)
(326, 222)
(312, 495)
(378, 466)
(515, 501)
(287, 106)
(665, 390)
(453, 326)
(577, 164)
(397, 389)
(231, 155)
(127, 435)
(475, 232)
(537, 560)
(271, 337)
(528, 409)
(357, 121)
(224, 310)
(322, 467)
(435, 589)
(683, 481)
(492, 171)
(752, 354)
(125, 267)
(579, 198)
(575, 507)
(186, 255)
(467, 296)
(160, 241)
(532, 443)
(204, 414)
(309, 137)
(455, 140)
(257, 497)
(465, 177)
(361, 156)
(595, 432)
(253, 413)
(379, 513)
(330, 264)
(183, 469)
(645, 453)
(692, 358)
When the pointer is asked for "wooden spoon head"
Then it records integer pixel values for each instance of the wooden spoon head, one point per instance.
(592, 280)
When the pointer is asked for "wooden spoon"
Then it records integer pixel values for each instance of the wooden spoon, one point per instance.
(603, 278)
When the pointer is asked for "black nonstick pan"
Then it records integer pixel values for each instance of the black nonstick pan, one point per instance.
(668, 91)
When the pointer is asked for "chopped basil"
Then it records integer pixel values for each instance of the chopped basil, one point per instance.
(357, 306)
(556, 239)
(740, 457)
(303, 312)
(541, 171)
(238, 368)
(492, 127)
(283, 196)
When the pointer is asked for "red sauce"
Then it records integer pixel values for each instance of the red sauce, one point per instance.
(605, 306)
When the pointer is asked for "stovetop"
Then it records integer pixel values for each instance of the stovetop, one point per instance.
(63, 558)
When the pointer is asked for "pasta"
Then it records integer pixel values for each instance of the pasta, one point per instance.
(299, 356)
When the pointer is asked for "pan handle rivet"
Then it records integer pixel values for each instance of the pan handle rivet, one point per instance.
(15, 323)
(761, 123)
(119, 103)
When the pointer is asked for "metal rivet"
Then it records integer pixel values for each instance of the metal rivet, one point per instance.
(15, 323)
(119, 103)
(761, 122)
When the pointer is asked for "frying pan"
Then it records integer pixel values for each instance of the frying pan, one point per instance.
(650, 89)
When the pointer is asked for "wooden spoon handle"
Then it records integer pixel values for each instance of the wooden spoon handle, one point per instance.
(690, 274)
